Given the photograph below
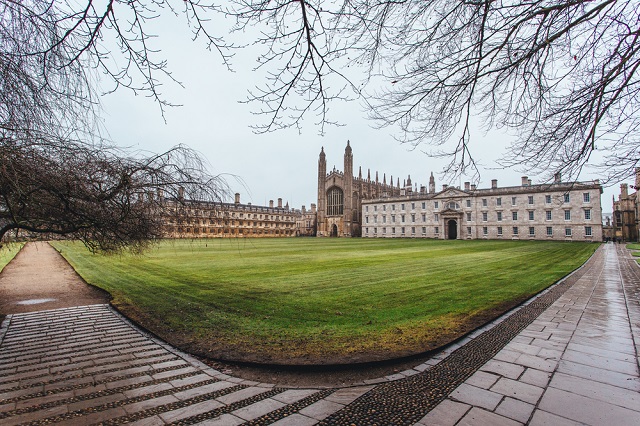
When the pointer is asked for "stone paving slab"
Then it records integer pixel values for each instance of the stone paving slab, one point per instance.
(570, 360)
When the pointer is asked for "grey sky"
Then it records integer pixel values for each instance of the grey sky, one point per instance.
(281, 164)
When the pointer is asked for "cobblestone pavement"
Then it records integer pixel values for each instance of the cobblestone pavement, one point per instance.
(569, 357)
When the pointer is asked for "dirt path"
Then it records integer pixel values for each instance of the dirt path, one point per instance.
(38, 278)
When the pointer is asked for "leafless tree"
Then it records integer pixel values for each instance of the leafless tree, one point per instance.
(57, 174)
(562, 75)
(107, 199)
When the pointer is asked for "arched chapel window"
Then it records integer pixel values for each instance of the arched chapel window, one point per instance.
(334, 201)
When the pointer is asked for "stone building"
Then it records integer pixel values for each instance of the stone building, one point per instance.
(556, 211)
(625, 213)
(306, 224)
(340, 196)
(196, 219)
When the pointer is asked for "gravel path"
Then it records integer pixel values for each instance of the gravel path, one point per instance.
(39, 278)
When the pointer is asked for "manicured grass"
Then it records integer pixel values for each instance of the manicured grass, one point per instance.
(7, 252)
(323, 300)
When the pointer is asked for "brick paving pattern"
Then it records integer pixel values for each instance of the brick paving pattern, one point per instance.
(568, 357)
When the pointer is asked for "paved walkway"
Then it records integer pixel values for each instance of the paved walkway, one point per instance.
(568, 357)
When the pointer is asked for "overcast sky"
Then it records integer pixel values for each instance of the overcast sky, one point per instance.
(281, 164)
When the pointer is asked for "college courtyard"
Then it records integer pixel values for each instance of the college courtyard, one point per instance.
(567, 356)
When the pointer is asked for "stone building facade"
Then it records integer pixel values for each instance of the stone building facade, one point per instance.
(306, 222)
(196, 219)
(340, 196)
(625, 213)
(556, 211)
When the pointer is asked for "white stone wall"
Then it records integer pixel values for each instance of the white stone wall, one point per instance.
(477, 214)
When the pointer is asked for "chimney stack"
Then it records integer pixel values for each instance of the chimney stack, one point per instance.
(525, 180)
(557, 178)
(313, 207)
(467, 186)
(271, 203)
(494, 183)
(237, 198)
(279, 203)
(473, 187)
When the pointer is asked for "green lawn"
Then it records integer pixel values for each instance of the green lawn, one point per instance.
(323, 300)
(7, 252)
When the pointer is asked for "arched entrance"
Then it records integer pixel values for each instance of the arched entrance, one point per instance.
(334, 230)
(452, 234)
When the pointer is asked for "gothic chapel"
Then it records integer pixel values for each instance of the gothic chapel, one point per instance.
(340, 196)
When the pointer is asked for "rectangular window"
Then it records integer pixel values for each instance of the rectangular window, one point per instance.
(384, 207)
(384, 219)
(513, 201)
(424, 205)
(567, 215)
(468, 217)
(393, 206)
(549, 231)
(531, 215)
(366, 219)
(413, 206)
(402, 219)
(424, 217)
(548, 214)
(468, 203)
(485, 230)
(566, 198)
(499, 230)
(547, 199)
(413, 230)
(375, 230)
(393, 218)
(484, 202)
(402, 206)
(515, 230)
(532, 231)
(587, 231)
(499, 216)
(366, 230)
(468, 230)
(437, 218)
(530, 199)
(393, 230)
(498, 201)
(514, 215)
(484, 216)
(402, 229)
(375, 208)
(567, 232)
(424, 230)
(366, 208)
(587, 214)
(435, 204)
(384, 230)
(437, 230)
(413, 217)
(586, 197)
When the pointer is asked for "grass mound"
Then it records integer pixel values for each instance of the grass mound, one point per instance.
(323, 301)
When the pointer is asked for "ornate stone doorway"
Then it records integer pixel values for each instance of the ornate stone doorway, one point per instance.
(334, 230)
(452, 232)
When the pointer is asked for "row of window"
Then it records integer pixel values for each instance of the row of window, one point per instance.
(566, 198)
(485, 216)
(234, 231)
(568, 232)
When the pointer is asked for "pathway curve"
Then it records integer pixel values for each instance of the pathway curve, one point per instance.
(567, 357)
(39, 278)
